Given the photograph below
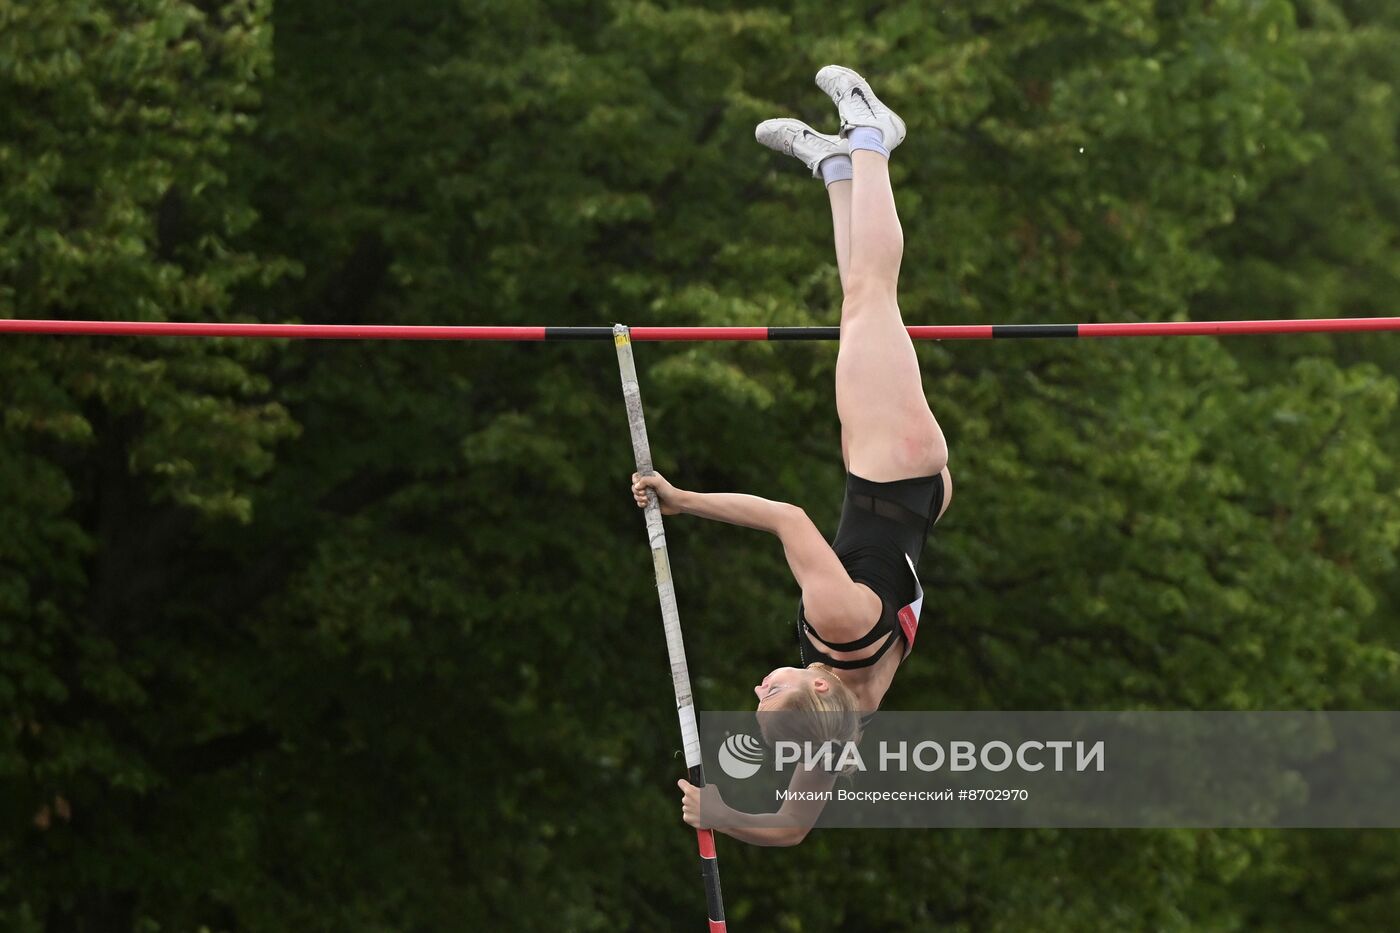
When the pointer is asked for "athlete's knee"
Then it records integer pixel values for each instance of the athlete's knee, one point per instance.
(865, 293)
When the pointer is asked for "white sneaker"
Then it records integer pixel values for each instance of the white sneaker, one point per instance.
(795, 138)
(858, 105)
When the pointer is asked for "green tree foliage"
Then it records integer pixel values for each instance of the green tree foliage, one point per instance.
(117, 129)
(1324, 239)
(364, 636)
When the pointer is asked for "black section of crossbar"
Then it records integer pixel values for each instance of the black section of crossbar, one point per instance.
(1034, 330)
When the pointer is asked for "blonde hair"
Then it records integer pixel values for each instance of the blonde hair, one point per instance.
(807, 716)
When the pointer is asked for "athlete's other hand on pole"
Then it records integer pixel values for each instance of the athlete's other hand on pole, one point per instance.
(668, 495)
(690, 803)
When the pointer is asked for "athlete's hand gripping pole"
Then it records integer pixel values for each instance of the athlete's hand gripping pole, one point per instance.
(670, 618)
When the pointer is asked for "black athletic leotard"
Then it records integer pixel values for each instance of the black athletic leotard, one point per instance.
(879, 541)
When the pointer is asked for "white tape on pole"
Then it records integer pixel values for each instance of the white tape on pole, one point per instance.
(656, 537)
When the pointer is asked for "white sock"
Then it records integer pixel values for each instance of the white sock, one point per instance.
(868, 138)
(835, 168)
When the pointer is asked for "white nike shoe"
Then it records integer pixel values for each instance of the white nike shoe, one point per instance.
(858, 105)
(795, 138)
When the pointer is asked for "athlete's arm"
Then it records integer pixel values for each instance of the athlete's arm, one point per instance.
(827, 590)
(737, 508)
(828, 594)
(732, 507)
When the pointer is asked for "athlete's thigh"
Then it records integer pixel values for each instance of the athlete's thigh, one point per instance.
(889, 431)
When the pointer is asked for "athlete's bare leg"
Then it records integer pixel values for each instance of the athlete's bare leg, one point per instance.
(888, 430)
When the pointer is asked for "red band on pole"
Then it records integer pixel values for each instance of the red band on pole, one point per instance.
(707, 843)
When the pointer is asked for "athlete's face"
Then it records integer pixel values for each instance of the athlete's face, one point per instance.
(783, 681)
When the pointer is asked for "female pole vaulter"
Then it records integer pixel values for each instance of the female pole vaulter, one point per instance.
(861, 598)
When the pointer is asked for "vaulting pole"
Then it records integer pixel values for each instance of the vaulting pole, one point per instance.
(670, 619)
(653, 334)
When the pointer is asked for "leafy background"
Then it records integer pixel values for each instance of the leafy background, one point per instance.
(363, 637)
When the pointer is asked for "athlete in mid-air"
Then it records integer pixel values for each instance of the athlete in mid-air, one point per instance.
(861, 599)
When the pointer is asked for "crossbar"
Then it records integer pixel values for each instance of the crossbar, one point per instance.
(657, 334)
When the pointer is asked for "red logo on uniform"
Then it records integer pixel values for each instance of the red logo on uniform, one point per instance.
(910, 623)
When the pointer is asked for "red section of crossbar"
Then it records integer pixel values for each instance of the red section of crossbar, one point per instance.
(292, 331)
(1218, 328)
